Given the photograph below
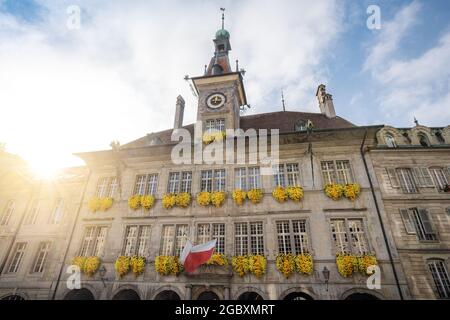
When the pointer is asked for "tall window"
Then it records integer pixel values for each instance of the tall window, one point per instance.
(106, 187)
(349, 236)
(249, 238)
(58, 212)
(292, 236)
(33, 213)
(174, 239)
(418, 221)
(406, 179)
(146, 184)
(179, 182)
(215, 124)
(247, 178)
(19, 251)
(207, 232)
(390, 141)
(440, 276)
(212, 180)
(136, 241)
(93, 241)
(338, 171)
(7, 212)
(440, 177)
(41, 256)
(286, 175)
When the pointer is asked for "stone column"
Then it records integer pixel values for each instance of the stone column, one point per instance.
(188, 295)
(226, 293)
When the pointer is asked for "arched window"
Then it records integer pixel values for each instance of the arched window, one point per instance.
(13, 297)
(441, 280)
(423, 140)
(390, 141)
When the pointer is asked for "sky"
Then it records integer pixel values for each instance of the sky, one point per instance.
(65, 90)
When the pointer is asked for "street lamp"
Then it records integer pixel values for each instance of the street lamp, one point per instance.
(326, 275)
(102, 272)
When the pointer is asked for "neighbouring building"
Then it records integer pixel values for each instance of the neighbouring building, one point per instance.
(399, 215)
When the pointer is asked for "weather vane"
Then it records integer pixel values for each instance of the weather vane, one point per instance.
(223, 17)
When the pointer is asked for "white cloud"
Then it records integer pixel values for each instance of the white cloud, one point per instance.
(118, 77)
(409, 87)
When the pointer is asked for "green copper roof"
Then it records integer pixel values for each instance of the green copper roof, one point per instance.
(222, 33)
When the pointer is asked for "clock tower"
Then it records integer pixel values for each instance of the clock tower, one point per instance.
(221, 93)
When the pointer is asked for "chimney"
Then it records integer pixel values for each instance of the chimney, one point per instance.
(325, 102)
(179, 112)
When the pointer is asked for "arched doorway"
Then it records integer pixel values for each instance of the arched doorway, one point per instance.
(208, 295)
(13, 297)
(167, 295)
(250, 295)
(126, 294)
(79, 294)
(361, 296)
(298, 296)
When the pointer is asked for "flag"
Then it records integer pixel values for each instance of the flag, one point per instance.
(193, 257)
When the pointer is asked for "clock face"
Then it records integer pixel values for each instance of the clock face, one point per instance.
(215, 100)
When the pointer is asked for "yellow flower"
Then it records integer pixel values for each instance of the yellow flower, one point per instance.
(285, 263)
(137, 265)
(134, 202)
(105, 203)
(334, 191)
(295, 193)
(217, 198)
(91, 265)
(239, 196)
(304, 263)
(257, 265)
(166, 265)
(147, 201)
(346, 264)
(365, 262)
(218, 259)
(169, 200)
(209, 137)
(204, 198)
(240, 265)
(94, 204)
(80, 262)
(122, 266)
(255, 195)
(279, 194)
(352, 191)
(183, 199)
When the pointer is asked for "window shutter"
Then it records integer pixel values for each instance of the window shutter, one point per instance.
(426, 221)
(407, 221)
(418, 177)
(393, 178)
(447, 174)
(428, 180)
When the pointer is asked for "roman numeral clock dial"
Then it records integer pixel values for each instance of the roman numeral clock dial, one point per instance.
(215, 100)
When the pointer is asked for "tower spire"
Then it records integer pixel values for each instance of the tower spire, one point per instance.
(223, 17)
(282, 100)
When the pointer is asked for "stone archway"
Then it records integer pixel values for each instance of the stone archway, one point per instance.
(361, 296)
(126, 294)
(167, 295)
(298, 296)
(79, 294)
(250, 295)
(208, 295)
(13, 297)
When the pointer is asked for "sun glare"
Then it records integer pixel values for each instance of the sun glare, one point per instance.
(44, 169)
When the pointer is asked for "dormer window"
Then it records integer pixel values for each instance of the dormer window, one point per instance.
(423, 140)
(390, 141)
(300, 126)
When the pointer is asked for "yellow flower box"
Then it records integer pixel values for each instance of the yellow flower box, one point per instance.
(218, 198)
(134, 202)
(204, 198)
(169, 200)
(279, 194)
(147, 201)
(255, 195)
(239, 196)
(168, 265)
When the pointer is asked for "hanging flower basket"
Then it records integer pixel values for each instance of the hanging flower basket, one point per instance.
(168, 265)
(218, 198)
(134, 202)
(334, 191)
(294, 193)
(239, 196)
(255, 195)
(204, 198)
(279, 194)
(147, 201)
(169, 200)
(352, 191)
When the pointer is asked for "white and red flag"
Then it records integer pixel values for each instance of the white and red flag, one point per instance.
(193, 257)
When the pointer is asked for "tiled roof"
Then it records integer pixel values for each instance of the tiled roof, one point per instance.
(283, 120)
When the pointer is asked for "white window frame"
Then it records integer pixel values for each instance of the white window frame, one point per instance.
(208, 231)
(93, 242)
(41, 257)
(406, 180)
(249, 238)
(146, 184)
(17, 257)
(173, 243)
(348, 240)
(58, 211)
(137, 243)
(247, 178)
(7, 212)
(418, 221)
(440, 178)
(33, 212)
(440, 276)
(106, 187)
